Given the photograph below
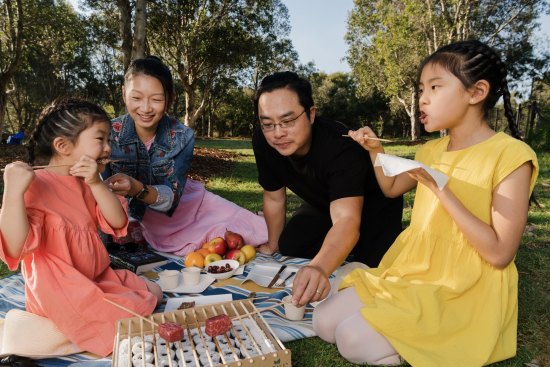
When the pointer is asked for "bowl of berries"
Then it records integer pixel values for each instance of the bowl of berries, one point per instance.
(222, 269)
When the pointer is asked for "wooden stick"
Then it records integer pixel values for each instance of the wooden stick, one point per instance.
(257, 311)
(370, 138)
(100, 161)
(130, 311)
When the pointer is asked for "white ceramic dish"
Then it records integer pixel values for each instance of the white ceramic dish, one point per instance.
(204, 282)
(228, 274)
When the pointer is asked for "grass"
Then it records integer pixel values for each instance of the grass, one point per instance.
(533, 258)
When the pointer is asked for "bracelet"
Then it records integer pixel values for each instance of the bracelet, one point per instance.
(142, 193)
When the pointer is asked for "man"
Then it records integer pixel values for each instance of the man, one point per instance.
(344, 211)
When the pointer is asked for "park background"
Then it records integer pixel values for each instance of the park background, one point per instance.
(218, 52)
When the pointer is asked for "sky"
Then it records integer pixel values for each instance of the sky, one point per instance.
(318, 29)
(319, 26)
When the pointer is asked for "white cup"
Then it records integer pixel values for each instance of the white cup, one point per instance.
(191, 275)
(169, 279)
(292, 312)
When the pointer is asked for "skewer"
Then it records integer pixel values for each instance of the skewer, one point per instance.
(100, 161)
(370, 138)
(257, 311)
(130, 311)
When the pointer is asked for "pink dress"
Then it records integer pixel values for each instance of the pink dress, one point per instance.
(199, 217)
(66, 267)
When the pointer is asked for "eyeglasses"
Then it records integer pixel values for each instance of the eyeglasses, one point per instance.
(285, 124)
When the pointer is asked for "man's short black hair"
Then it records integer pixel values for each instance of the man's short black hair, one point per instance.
(289, 80)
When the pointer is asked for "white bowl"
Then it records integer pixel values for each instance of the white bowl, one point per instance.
(228, 274)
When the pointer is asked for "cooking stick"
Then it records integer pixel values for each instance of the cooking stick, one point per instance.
(257, 311)
(370, 138)
(130, 311)
(100, 161)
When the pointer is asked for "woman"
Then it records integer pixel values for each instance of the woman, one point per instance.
(151, 155)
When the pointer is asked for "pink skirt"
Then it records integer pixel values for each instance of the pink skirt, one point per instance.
(199, 217)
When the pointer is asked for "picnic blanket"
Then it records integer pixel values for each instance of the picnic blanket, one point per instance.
(12, 296)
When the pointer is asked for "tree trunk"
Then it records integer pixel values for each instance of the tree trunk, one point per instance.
(125, 28)
(411, 112)
(140, 26)
(3, 98)
(14, 45)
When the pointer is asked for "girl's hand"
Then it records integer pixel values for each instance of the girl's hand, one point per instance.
(420, 175)
(86, 168)
(119, 184)
(18, 177)
(362, 137)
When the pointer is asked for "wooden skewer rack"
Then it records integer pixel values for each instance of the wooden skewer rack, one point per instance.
(249, 342)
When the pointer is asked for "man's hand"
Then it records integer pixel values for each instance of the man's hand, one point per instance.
(268, 249)
(310, 285)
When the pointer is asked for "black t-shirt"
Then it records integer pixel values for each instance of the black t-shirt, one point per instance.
(335, 167)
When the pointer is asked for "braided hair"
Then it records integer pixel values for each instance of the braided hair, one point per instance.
(471, 61)
(64, 117)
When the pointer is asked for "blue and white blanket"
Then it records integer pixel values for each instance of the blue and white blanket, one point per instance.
(12, 296)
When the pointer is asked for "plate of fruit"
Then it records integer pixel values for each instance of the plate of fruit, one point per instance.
(222, 269)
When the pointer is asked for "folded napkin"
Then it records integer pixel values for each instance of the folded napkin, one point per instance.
(393, 165)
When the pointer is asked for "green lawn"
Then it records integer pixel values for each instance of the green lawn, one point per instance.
(533, 259)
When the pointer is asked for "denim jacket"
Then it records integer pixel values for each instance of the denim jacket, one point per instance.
(163, 166)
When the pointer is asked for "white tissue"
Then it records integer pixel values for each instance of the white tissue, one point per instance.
(393, 165)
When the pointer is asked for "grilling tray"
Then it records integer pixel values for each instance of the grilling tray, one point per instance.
(249, 341)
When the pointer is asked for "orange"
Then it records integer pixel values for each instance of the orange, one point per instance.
(203, 251)
(194, 259)
(205, 245)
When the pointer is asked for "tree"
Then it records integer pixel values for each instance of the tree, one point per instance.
(11, 48)
(201, 40)
(388, 39)
(56, 61)
(133, 42)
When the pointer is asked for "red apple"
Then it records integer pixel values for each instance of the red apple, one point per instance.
(233, 239)
(236, 255)
(217, 246)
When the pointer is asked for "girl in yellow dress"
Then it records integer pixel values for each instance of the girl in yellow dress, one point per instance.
(445, 293)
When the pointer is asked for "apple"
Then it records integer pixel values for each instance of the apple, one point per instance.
(233, 239)
(217, 245)
(236, 255)
(210, 258)
(249, 251)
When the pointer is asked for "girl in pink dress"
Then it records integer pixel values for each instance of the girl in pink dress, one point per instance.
(49, 225)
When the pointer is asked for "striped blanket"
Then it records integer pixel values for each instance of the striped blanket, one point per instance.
(12, 296)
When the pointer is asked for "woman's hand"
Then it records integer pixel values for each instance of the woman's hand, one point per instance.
(86, 168)
(120, 184)
(310, 285)
(362, 137)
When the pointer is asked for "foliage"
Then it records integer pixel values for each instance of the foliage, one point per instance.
(56, 61)
(203, 41)
(388, 39)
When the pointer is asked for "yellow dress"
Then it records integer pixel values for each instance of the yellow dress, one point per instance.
(433, 296)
